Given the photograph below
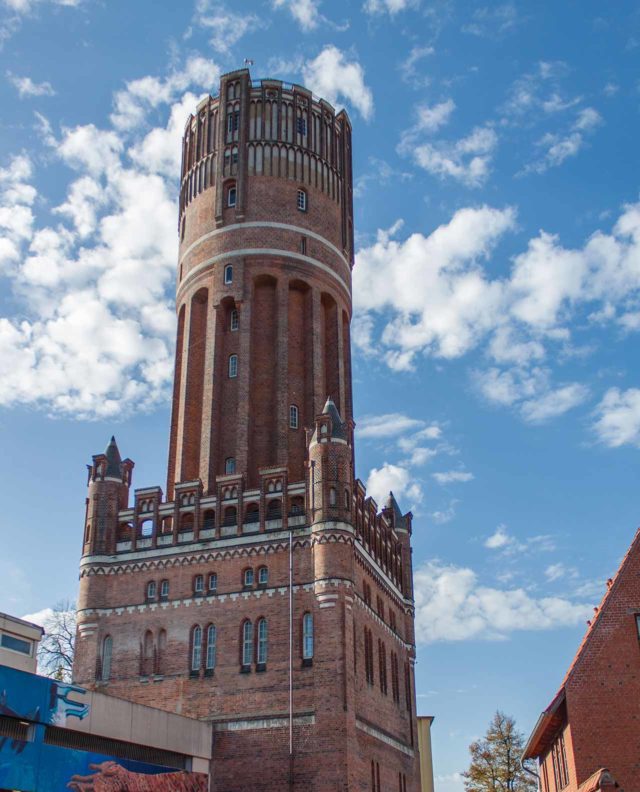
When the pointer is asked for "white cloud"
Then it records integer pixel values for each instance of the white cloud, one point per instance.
(499, 539)
(492, 21)
(409, 68)
(467, 160)
(390, 7)
(133, 104)
(27, 87)
(452, 605)
(393, 478)
(618, 418)
(305, 12)
(453, 477)
(16, 216)
(27, 6)
(560, 571)
(560, 147)
(334, 78)
(224, 27)
(388, 425)
(431, 118)
(443, 516)
(554, 403)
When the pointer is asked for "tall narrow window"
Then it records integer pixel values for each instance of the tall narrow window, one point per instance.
(294, 417)
(211, 647)
(262, 642)
(247, 644)
(151, 589)
(263, 576)
(198, 585)
(302, 201)
(107, 648)
(231, 196)
(229, 465)
(248, 577)
(332, 496)
(234, 322)
(307, 636)
(213, 581)
(228, 273)
(303, 245)
(196, 649)
(164, 589)
(233, 366)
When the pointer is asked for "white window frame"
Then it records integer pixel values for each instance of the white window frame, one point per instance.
(233, 366)
(196, 649)
(302, 201)
(294, 416)
(19, 640)
(261, 654)
(212, 636)
(248, 577)
(234, 320)
(198, 584)
(263, 576)
(212, 577)
(228, 274)
(164, 588)
(151, 589)
(107, 654)
(247, 643)
(232, 196)
(307, 636)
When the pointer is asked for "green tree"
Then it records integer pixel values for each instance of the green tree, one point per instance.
(495, 760)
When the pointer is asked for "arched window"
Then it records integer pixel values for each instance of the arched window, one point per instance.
(247, 644)
(252, 514)
(213, 581)
(231, 195)
(247, 579)
(198, 585)
(263, 576)
(151, 589)
(107, 648)
(307, 636)
(233, 366)
(230, 516)
(274, 510)
(262, 642)
(164, 589)
(302, 200)
(209, 520)
(332, 496)
(234, 322)
(228, 273)
(211, 647)
(229, 465)
(293, 416)
(196, 648)
(147, 654)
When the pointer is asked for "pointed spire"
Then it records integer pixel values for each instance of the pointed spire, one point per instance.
(338, 427)
(114, 460)
(391, 504)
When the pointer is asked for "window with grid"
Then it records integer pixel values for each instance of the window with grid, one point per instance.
(196, 649)
(302, 201)
(293, 416)
(164, 589)
(247, 643)
(307, 636)
(213, 581)
(233, 366)
(262, 643)
(198, 584)
(234, 321)
(211, 647)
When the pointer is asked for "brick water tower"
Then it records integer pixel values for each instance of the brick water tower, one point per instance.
(266, 592)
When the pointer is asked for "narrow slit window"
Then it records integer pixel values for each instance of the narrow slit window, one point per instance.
(307, 636)
(262, 642)
(247, 643)
(233, 366)
(196, 651)
(294, 417)
(107, 649)
(211, 647)
(303, 245)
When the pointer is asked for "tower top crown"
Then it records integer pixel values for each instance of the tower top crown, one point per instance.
(334, 428)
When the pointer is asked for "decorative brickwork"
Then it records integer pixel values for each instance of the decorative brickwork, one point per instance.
(588, 739)
(186, 603)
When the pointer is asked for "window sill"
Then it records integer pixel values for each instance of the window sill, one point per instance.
(307, 662)
(208, 672)
(260, 667)
(262, 585)
(245, 669)
(194, 674)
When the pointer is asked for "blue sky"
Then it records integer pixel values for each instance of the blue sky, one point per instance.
(496, 294)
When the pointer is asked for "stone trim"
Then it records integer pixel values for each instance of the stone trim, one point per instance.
(372, 731)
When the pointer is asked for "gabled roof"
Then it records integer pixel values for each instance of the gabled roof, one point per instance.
(547, 725)
(601, 779)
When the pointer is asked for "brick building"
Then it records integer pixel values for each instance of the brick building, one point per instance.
(588, 738)
(266, 593)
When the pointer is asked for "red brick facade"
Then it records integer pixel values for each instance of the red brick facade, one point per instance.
(186, 603)
(588, 739)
